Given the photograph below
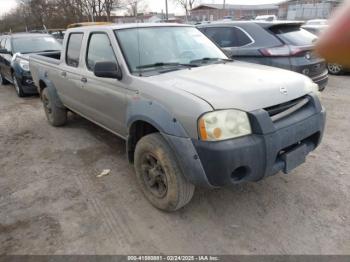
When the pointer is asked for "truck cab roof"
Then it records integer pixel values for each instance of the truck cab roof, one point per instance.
(126, 26)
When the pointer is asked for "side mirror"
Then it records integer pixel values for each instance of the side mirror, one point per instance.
(4, 51)
(108, 70)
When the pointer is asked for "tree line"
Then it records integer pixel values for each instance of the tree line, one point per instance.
(53, 14)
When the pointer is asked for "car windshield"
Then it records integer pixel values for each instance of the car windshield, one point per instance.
(154, 48)
(35, 44)
(295, 36)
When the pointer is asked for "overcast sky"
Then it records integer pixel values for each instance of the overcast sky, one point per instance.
(156, 5)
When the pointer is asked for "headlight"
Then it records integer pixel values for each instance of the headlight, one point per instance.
(224, 124)
(24, 64)
(312, 87)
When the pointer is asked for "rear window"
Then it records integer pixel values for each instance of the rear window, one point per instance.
(73, 49)
(294, 36)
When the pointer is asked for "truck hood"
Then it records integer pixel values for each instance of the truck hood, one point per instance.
(238, 85)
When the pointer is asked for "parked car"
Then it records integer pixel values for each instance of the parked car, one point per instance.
(88, 24)
(15, 70)
(315, 29)
(57, 33)
(190, 116)
(317, 22)
(266, 18)
(333, 68)
(280, 44)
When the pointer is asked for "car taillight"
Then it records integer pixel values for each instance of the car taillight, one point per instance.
(283, 50)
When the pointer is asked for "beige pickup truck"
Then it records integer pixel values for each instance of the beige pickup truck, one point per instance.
(190, 116)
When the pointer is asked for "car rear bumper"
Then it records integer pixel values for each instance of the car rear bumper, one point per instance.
(272, 147)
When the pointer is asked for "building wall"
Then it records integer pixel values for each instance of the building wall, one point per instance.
(212, 14)
(306, 9)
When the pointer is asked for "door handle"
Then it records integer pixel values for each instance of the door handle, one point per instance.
(83, 79)
(64, 74)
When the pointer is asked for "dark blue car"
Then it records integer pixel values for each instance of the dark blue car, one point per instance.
(16, 70)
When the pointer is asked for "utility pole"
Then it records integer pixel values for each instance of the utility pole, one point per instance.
(166, 10)
(224, 6)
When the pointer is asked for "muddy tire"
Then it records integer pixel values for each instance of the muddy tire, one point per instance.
(57, 116)
(159, 174)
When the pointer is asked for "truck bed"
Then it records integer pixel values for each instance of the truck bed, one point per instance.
(43, 63)
(49, 57)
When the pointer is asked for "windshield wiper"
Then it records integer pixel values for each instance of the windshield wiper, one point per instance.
(210, 59)
(161, 64)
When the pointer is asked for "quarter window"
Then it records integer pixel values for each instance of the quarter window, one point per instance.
(99, 50)
(73, 49)
(228, 36)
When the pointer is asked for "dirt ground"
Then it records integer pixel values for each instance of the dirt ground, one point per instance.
(51, 201)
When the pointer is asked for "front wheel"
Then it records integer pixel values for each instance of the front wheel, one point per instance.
(159, 174)
(57, 116)
(3, 81)
(18, 87)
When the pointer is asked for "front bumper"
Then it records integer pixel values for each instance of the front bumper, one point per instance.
(27, 84)
(321, 80)
(252, 157)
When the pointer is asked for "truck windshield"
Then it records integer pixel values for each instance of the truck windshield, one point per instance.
(154, 48)
(35, 44)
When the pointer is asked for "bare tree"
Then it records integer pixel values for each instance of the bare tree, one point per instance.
(187, 5)
(135, 7)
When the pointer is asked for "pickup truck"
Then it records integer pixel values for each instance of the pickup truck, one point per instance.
(190, 116)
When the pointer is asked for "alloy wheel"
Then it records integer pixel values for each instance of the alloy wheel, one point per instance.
(335, 68)
(153, 175)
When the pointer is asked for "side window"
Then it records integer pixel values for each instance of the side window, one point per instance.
(99, 50)
(242, 38)
(8, 44)
(73, 49)
(228, 36)
(223, 36)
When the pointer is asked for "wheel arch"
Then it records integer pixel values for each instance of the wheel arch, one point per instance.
(145, 117)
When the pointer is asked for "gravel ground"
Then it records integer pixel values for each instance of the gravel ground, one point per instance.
(51, 201)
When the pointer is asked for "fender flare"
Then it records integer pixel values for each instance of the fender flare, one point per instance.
(174, 134)
(156, 115)
(52, 92)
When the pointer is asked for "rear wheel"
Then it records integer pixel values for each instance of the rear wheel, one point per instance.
(335, 69)
(56, 116)
(159, 175)
(17, 86)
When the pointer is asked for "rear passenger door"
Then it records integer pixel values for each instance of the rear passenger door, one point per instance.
(69, 79)
(230, 39)
(105, 97)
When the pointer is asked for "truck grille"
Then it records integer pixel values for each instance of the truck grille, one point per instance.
(282, 110)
